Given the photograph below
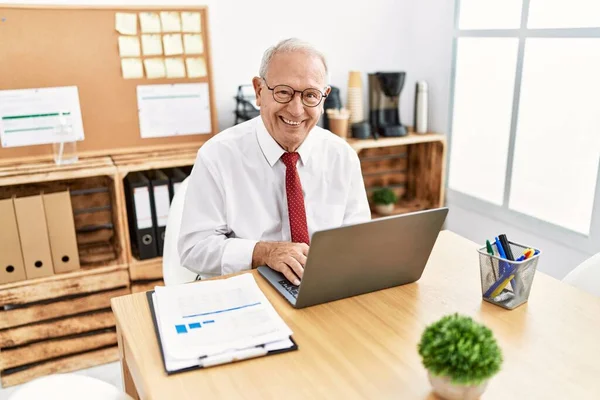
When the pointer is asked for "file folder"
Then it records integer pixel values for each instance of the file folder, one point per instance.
(176, 176)
(12, 268)
(33, 232)
(160, 200)
(61, 232)
(142, 234)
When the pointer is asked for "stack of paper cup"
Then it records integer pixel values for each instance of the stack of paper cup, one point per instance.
(355, 98)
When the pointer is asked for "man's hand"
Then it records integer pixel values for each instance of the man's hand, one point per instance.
(285, 257)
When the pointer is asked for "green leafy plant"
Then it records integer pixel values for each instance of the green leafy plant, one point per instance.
(461, 349)
(384, 196)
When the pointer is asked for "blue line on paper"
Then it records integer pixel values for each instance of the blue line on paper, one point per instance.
(210, 321)
(195, 325)
(181, 329)
(222, 311)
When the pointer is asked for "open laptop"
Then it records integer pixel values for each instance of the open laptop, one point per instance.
(362, 258)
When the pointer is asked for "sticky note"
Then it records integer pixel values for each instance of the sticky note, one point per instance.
(190, 22)
(129, 46)
(152, 45)
(196, 67)
(150, 22)
(155, 68)
(170, 21)
(172, 44)
(132, 68)
(193, 44)
(175, 67)
(126, 23)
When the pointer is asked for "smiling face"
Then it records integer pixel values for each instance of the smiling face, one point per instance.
(289, 124)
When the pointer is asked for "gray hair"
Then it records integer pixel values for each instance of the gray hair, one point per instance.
(288, 46)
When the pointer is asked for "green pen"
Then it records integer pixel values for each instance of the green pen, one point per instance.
(490, 251)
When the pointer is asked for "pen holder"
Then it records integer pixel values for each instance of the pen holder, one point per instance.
(507, 283)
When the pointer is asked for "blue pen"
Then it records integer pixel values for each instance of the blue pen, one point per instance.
(504, 267)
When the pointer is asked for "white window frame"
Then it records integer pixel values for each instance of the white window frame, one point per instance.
(589, 244)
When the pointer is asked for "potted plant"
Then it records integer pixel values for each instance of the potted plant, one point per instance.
(384, 200)
(460, 356)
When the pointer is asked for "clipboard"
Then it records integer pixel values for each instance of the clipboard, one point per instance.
(149, 296)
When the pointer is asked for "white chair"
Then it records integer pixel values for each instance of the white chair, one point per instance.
(173, 272)
(586, 276)
(68, 387)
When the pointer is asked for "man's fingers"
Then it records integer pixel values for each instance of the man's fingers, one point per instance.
(289, 274)
(295, 266)
(301, 258)
(304, 248)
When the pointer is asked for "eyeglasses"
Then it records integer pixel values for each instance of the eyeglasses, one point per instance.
(284, 94)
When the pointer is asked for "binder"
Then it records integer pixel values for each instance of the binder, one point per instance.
(33, 233)
(160, 200)
(12, 268)
(142, 234)
(149, 296)
(61, 232)
(176, 176)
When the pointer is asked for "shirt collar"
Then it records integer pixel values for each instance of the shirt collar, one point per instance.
(273, 151)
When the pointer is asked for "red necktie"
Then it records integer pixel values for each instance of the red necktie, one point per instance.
(295, 199)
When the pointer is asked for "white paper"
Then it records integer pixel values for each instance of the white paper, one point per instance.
(217, 317)
(141, 200)
(175, 67)
(150, 22)
(172, 44)
(191, 22)
(126, 23)
(196, 67)
(170, 21)
(152, 45)
(155, 68)
(31, 116)
(161, 204)
(132, 68)
(172, 110)
(129, 46)
(193, 44)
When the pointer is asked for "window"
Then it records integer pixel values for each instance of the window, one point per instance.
(525, 119)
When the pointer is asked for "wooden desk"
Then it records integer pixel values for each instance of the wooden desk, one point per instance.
(366, 346)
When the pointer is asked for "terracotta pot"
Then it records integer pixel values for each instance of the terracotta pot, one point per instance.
(444, 388)
(384, 209)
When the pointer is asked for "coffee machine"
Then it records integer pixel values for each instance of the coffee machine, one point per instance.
(384, 102)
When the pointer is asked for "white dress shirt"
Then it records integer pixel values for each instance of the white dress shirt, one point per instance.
(236, 195)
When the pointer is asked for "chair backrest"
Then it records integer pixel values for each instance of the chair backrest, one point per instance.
(173, 272)
(68, 387)
(586, 276)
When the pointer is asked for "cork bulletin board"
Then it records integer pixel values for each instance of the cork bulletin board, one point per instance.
(56, 46)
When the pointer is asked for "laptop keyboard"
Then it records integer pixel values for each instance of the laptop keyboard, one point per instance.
(291, 288)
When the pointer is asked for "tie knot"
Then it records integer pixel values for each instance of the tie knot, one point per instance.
(290, 159)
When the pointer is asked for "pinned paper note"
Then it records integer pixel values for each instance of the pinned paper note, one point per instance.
(126, 23)
(170, 21)
(150, 22)
(190, 22)
(172, 44)
(132, 68)
(193, 44)
(155, 68)
(196, 67)
(129, 46)
(151, 45)
(175, 67)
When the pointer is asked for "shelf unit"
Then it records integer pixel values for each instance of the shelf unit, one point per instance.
(63, 322)
(145, 274)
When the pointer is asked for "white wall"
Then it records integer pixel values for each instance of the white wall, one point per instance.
(431, 28)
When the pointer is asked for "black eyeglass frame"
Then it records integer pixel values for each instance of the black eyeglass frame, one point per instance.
(323, 95)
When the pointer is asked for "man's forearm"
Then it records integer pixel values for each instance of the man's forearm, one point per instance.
(259, 255)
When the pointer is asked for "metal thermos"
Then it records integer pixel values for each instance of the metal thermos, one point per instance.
(421, 107)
